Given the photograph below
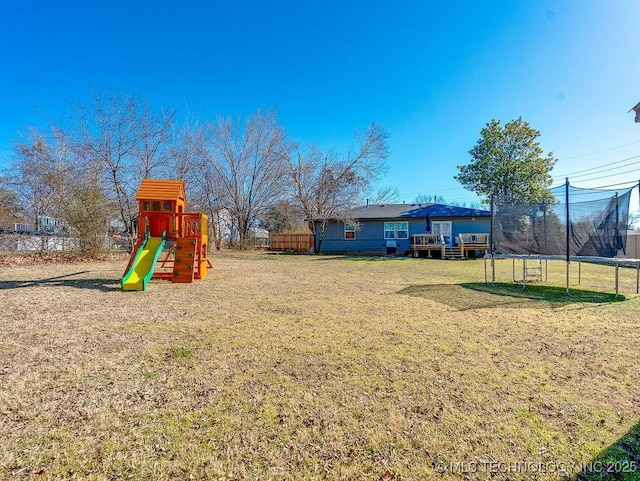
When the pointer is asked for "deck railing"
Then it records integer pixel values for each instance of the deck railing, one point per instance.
(464, 243)
(473, 242)
(427, 243)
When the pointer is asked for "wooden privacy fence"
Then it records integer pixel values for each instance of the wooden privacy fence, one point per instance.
(633, 245)
(291, 242)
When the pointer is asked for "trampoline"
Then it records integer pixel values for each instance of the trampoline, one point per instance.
(574, 225)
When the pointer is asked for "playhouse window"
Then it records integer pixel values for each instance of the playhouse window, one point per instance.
(146, 206)
(167, 206)
(155, 207)
(349, 231)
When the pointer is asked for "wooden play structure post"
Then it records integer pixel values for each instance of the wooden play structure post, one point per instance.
(171, 243)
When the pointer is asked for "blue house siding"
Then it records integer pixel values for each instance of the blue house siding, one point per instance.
(470, 225)
(370, 234)
(369, 238)
(334, 240)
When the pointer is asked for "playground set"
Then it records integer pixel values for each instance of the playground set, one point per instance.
(171, 243)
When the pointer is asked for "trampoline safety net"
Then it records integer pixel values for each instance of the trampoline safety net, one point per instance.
(592, 223)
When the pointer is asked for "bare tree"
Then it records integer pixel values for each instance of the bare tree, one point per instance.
(469, 205)
(87, 212)
(41, 176)
(245, 160)
(429, 199)
(284, 216)
(328, 185)
(53, 185)
(207, 194)
(185, 162)
(125, 141)
(9, 205)
(386, 195)
(153, 147)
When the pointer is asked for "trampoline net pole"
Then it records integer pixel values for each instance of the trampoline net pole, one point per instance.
(485, 270)
(566, 198)
(493, 261)
(579, 271)
(493, 271)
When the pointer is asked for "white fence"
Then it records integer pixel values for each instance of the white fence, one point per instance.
(37, 243)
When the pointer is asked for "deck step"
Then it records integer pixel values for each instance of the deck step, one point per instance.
(453, 253)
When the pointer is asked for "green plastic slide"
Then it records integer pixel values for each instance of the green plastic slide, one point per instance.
(141, 269)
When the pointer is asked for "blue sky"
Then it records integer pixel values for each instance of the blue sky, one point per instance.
(432, 73)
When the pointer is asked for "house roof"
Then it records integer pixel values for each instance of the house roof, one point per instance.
(409, 211)
(153, 189)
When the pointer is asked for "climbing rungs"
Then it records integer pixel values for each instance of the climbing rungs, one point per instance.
(184, 271)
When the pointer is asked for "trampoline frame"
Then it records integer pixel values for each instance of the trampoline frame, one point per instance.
(614, 261)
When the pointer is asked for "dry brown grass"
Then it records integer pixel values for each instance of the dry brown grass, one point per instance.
(297, 367)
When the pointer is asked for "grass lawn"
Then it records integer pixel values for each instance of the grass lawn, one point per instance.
(292, 367)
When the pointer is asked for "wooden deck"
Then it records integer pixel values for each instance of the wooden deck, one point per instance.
(465, 243)
(427, 243)
(473, 242)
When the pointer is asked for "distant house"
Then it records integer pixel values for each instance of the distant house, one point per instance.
(390, 228)
(43, 225)
(226, 233)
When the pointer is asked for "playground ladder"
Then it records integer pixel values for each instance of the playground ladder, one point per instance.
(186, 262)
(532, 272)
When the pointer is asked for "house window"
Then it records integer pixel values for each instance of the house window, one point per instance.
(396, 230)
(349, 231)
(389, 230)
(402, 230)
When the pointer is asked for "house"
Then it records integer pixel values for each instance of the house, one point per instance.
(43, 225)
(225, 232)
(397, 228)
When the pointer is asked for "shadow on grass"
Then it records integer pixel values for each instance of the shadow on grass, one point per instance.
(286, 253)
(545, 292)
(354, 258)
(478, 295)
(105, 285)
(620, 461)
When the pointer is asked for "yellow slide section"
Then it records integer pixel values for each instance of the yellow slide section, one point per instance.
(141, 269)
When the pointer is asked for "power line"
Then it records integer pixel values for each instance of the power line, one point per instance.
(607, 170)
(630, 184)
(461, 194)
(439, 190)
(611, 175)
(599, 152)
(634, 183)
(595, 176)
(603, 166)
